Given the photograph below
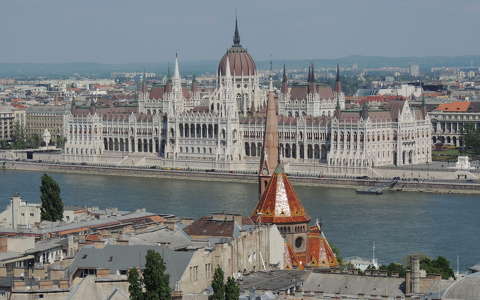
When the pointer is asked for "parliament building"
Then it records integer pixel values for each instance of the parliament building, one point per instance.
(189, 126)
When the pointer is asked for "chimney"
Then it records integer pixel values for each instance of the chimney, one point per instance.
(412, 277)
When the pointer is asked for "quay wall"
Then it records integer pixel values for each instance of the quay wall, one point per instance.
(423, 185)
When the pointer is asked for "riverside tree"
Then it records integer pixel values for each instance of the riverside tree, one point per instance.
(155, 282)
(232, 290)
(217, 285)
(135, 285)
(222, 291)
(52, 205)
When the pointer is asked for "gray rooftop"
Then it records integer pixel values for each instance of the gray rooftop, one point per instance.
(50, 109)
(346, 284)
(275, 281)
(467, 288)
(49, 227)
(175, 239)
(122, 257)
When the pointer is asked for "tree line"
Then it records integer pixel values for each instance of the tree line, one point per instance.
(153, 282)
(20, 140)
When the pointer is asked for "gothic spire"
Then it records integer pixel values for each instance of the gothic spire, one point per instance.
(176, 73)
(236, 36)
(424, 103)
(313, 74)
(338, 84)
(311, 80)
(194, 84)
(284, 81)
(168, 85)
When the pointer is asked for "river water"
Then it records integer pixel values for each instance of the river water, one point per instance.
(400, 223)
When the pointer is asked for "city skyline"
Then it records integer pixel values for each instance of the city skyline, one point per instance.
(55, 32)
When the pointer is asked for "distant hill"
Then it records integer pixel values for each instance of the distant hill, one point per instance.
(60, 70)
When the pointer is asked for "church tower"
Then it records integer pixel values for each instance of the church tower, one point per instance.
(279, 204)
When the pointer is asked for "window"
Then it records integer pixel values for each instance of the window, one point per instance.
(32, 214)
(299, 242)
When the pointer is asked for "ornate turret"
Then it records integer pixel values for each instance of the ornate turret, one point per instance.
(241, 63)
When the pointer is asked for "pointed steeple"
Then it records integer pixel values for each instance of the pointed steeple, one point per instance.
(424, 102)
(194, 84)
(168, 85)
(176, 73)
(311, 80)
(177, 80)
(313, 74)
(269, 158)
(338, 84)
(236, 35)
(284, 81)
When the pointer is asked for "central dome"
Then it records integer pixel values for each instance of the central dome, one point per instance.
(241, 63)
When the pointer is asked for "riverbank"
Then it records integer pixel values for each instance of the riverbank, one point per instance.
(349, 183)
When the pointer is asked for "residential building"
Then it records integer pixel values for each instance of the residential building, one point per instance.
(7, 118)
(41, 117)
(20, 214)
(450, 120)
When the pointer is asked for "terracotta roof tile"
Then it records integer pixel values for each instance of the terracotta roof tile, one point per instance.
(460, 106)
(279, 203)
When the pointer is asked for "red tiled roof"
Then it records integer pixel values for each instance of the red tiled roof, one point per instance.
(320, 254)
(461, 106)
(279, 203)
(207, 226)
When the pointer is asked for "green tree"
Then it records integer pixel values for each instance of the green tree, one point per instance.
(18, 136)
(135, 285)
(218, 285)
(471, 138)
(33, 141)
(155, 279)
(394, 268)
(52, 205)
(336, 251)
(440, 266)
(60, 141)
(232, 290)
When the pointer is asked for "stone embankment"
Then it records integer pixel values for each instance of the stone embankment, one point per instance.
(402, 185)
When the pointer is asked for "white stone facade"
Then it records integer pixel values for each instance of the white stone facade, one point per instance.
(176, 125)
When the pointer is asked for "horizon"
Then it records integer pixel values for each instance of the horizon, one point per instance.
(150, 31)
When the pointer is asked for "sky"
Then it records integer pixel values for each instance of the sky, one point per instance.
(138, 31)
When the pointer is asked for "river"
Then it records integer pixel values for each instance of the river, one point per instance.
(400, 223)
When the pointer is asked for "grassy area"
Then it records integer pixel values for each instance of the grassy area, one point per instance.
(445, 155)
